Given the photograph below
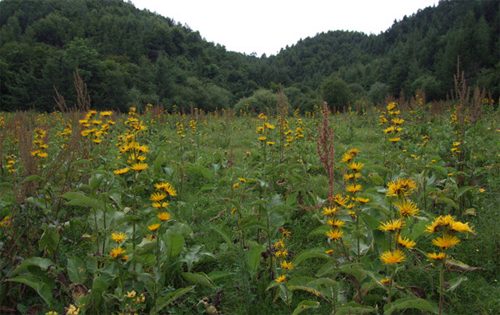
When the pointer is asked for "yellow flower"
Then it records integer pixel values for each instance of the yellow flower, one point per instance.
(406, 243)
(336, 222)
(138, 167)
(236, 185)
(154, 227)
(392, 105)
(407, 208)
(457, 226)
(394, 257)
(5, 222)
(285, 232)
(329, 252)
(118, 237)
(436, 256)
(354, 152)
(262, 138)
(115, 252)
(279, 244)
(164, 216)
(334, 234)
(167, 187)
(281, 278)
(282, 253)
(362, 200)
(329, 211)
(353, 188)
(131, 294)
(395, 139)
(347, 157)
(385, 280)
(160, 204)
(241, 179)
(51, 313)
(391, 226)
(271, 143)
(356, 166)
(286, 265)
(72, 310)
(446, 241)
(158, 196)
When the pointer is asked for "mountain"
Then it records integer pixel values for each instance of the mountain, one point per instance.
(128, 56)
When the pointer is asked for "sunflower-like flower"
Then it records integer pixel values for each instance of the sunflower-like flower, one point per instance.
(392, 257)
(407, 208)
(286, 265)
(160, 204)
(167, 187)
(328, 211)
(391, 226)
(281, 278)
(335, 234)
(139, 167)
(158, 196)
(356, 167)
(154, 227)
(164, 216)
(115, 252)
(354, 188)
(118, 237)
(446, 241)
(336, 222)
(406, 242)
(457, 226)
(436, 256)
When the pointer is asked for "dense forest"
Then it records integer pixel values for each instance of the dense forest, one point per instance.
(128, 56)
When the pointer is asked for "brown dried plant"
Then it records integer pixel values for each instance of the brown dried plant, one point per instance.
(326, 149)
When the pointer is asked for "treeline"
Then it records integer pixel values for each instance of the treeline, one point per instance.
(131, 57)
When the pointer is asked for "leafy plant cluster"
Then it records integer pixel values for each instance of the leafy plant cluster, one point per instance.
(384, 210)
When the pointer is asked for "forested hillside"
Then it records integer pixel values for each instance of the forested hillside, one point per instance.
(130, 57)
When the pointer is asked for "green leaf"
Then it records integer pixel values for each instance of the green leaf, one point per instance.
(166, 300)
(40, 287)
(42, 263)
(99, 286)
(175, 244)
(447, 201)
(354, 308)
(252, 222)
(353, 269)
(319, 230)
(439, 169)
(411, 302)
(214, 275)
(33, 178)
(198, 278)
(254, 256)
(317, 252)
(455, 282)
(224, 233)
(207, 187)
(463, 190)
(76, 270)
(305, 305)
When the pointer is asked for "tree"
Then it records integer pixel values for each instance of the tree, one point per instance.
(336, 93)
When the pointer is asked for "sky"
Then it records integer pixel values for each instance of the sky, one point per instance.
(266, 26)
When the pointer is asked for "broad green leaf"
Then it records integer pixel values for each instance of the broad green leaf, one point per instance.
(305, 305)
(447, 201)
(166, 300)
(224, 233)
(198, 278)
(76, 270)
(319, 230)
(411, 302)
(317, 252)
(463, 190)
(254, 256)
(42, 263)
(33, 178)
(214, 275)
(455, 282)
(40, 287)
(175, 244)
(353, 308)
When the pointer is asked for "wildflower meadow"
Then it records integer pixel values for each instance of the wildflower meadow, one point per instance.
(369, 209)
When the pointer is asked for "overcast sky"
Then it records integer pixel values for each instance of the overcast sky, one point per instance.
(266, 26)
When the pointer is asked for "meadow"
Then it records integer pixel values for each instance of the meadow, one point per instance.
(388, 209)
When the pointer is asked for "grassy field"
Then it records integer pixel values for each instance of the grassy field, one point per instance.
(389, 210)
